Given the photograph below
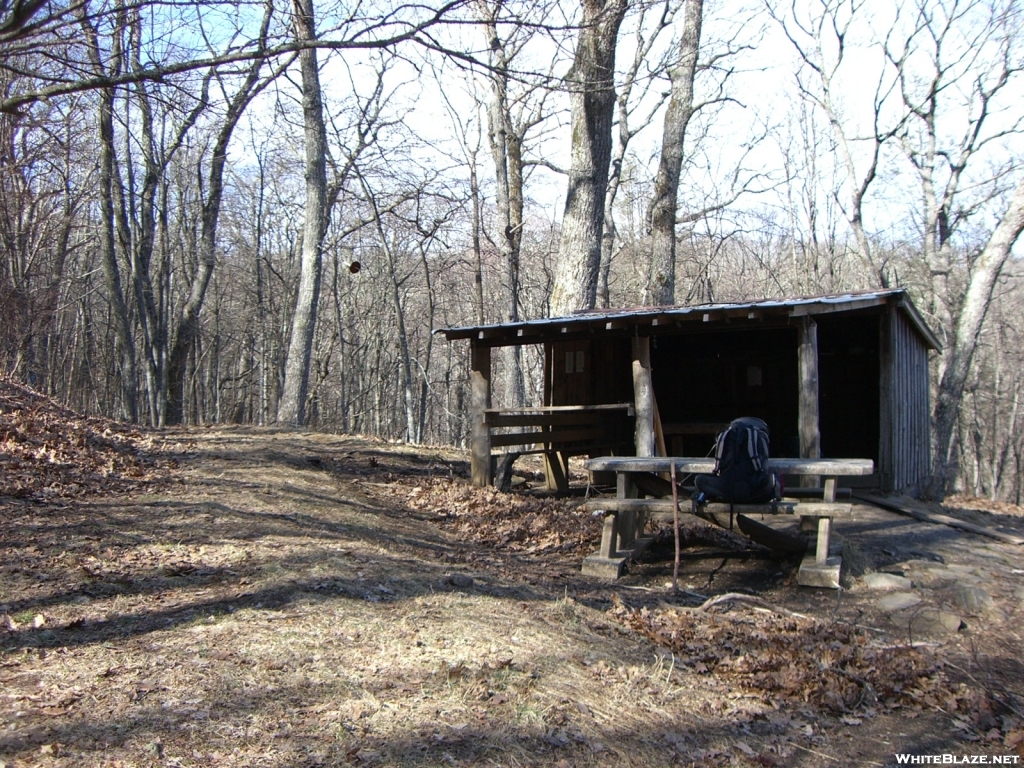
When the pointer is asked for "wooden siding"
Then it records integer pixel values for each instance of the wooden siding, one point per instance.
(905, 450)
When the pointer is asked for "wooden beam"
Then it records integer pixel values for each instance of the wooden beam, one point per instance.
(495, 420)
(810, 434)
(552, 437)
(686, 465)
(628, 407)
(643, 394)
(662, 509)
(555, 471)
(480, 401)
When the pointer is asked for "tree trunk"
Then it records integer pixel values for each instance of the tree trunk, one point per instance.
(108, 236)
(664, 202)
(292, 408)
(592, 95)
(188, 322)
(957, 357)
(507, 153)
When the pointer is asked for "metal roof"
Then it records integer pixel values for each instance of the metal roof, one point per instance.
(590, 321)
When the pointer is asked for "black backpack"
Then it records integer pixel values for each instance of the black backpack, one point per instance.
(741, 474)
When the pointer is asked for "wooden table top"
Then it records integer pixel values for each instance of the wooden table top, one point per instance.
(704, 465)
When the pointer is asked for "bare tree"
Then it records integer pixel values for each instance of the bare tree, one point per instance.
(666, 185)
(292, 407)
(822, 42)
(591, 83)
(187, 326)
(637, 82)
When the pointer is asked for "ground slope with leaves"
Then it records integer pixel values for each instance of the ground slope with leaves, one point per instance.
(263, 597)
(48, 451)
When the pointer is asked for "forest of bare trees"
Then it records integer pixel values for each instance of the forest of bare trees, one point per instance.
(258, 212)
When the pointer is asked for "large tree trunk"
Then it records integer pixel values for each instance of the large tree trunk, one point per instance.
(292, 408)
(664, 201)
(592, 85)
(957, 357)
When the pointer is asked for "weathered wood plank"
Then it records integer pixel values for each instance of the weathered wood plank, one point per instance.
(553, 437)
(564, 408)
(686, 465)
(496, 419)
(554, 472)
(658, 507)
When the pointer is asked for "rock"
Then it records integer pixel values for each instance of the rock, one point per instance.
(933, 622)
(461, 580)
(933, 576)
(887, 581)
(973, 600)
(899, 601)
(1019, 594)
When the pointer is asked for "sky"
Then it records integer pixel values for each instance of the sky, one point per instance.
(759, 120)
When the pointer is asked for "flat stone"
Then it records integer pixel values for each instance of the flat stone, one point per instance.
(823, 575)
(610, 568)
(931, 576)
(1019, 594)
(909, 565)
(887, 581)
(933, 622)
(973, 600)
(899, 601)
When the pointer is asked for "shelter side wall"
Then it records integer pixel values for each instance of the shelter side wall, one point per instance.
(911, 413)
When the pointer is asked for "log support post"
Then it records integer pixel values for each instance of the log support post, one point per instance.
(810, 434)
(643, 393)
(480, 401)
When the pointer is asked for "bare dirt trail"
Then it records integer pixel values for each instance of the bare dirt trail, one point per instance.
(271, 598)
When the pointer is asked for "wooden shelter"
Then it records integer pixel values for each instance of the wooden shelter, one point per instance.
(839, 376)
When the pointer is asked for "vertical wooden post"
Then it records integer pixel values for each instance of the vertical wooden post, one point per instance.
(810, 434)
(886, 402)
(643, 394)
(556, 473)
(480, 400)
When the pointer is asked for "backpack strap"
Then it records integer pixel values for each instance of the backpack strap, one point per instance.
(752, 452)
(719, 450)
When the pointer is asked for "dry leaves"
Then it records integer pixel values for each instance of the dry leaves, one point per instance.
(48, 452)
(515, 522)
(837, 668)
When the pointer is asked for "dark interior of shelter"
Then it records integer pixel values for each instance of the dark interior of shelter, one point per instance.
(710, 377)
(715, 377)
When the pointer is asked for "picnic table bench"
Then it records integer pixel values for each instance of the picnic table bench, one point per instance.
(626, 515)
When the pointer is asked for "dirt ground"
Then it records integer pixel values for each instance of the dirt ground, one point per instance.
(252, 597)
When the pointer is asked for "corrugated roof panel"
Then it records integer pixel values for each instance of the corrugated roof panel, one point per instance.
(607, 317)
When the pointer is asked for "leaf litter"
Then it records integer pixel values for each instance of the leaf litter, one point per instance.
(238, 597)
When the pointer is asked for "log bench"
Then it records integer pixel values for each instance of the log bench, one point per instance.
(626, 515)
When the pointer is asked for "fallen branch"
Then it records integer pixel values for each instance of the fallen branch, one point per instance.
(736, 597)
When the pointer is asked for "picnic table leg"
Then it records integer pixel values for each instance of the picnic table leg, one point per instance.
(820, 570)
(609, 538)
(824, 532)
(621, 536)
(626, 489)
(830, 490)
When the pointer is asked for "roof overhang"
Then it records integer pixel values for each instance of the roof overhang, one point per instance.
(650, 320)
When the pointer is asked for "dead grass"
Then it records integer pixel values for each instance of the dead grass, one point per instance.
(283, 599)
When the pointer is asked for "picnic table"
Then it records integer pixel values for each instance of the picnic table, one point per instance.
(626, 515)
